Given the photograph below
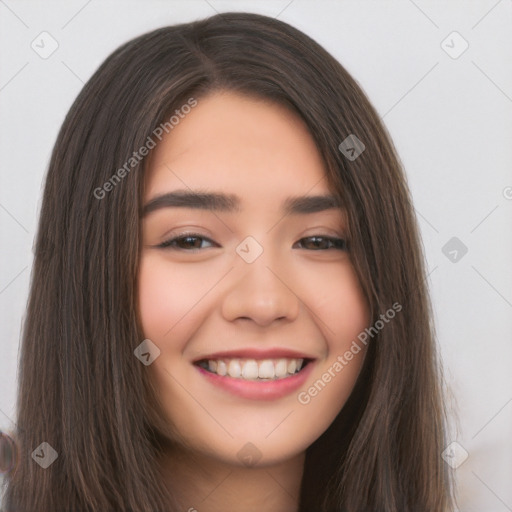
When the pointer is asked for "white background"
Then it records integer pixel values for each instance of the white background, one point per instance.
(450, 119)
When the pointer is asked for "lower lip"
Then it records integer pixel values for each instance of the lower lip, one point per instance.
(254, 390)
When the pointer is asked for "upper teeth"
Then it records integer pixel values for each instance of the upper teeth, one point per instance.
(251, 369)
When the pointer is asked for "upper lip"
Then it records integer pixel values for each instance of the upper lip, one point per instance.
(256, 353)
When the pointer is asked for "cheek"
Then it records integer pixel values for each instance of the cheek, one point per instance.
(170, 309)
(157, 302)
(339, 303)
(168, 297)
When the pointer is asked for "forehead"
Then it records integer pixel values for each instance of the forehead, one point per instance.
(239, 143)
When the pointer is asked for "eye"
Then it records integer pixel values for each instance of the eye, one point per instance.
(319, 242)
(185, 241)
(191, 242)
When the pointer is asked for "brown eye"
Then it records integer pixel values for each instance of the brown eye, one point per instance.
(323, 243)
(189, 241)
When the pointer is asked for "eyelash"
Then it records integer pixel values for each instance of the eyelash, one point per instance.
(336, 243)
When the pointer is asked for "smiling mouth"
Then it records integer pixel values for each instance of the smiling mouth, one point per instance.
(263, 370)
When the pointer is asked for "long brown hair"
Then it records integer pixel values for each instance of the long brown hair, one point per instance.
(81, 389)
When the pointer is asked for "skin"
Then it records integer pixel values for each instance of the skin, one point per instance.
(199, 301)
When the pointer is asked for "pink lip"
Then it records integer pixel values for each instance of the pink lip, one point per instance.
(268, 390)
(254, 353)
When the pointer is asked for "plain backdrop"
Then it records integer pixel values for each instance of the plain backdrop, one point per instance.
(448, 109)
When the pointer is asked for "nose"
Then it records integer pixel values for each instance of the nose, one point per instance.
(260, 291)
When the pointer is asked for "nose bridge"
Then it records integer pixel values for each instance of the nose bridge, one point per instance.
(259, 290)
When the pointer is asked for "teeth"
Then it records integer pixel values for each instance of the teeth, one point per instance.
(234, 368)
(221, 368)
(282, 368)
(267, 370)
(250, 369)
(292, 366)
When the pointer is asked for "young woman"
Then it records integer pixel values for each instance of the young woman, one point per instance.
(228, 308)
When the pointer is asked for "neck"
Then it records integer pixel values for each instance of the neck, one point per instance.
(204, 484)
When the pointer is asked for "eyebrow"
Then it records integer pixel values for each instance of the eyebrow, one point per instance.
(218, 201)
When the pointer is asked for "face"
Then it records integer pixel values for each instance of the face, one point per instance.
(251, 298)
